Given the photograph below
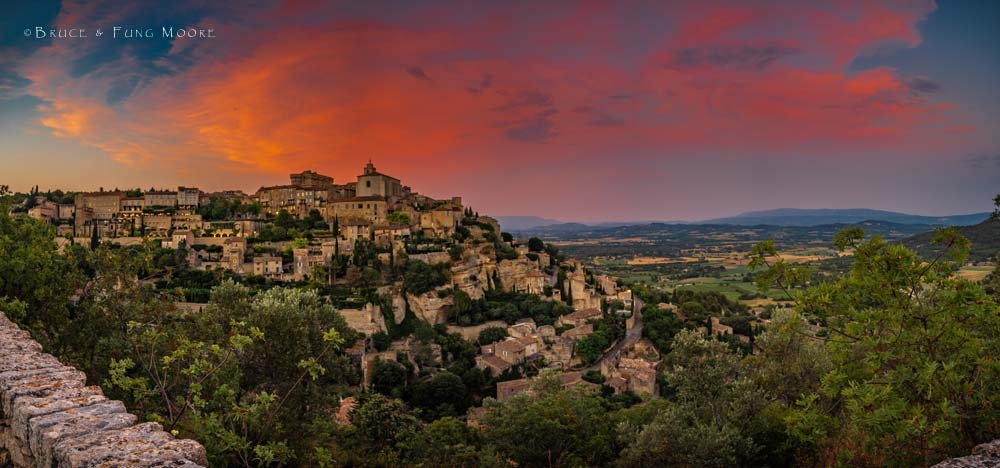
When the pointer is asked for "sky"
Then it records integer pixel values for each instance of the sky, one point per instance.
(578, 111)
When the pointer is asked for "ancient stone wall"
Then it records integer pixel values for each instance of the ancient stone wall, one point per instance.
(983, 456)
(49, 417)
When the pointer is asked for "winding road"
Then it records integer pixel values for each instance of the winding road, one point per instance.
(632, 336)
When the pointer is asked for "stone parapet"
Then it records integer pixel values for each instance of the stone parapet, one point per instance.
(49, 417)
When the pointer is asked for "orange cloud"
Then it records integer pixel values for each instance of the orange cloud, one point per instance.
(426, 98)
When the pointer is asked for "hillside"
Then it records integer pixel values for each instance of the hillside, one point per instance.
(813, 217)
(985, 238)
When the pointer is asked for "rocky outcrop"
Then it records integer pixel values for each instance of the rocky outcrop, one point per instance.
(49, 417)
(521, 275)
(983, 456)
(472, 274)
(430, 307)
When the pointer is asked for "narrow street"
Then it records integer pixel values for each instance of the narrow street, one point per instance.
(632, 336)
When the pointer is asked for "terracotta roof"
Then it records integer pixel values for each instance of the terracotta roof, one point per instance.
(584, 314)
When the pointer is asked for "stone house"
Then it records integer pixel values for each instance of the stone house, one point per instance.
(720, 330)
(579, 317)
(269, 266)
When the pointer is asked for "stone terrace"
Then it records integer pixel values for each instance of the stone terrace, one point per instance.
(50, 418)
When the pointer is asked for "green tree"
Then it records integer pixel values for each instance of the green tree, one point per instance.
(707, 425)
(398, 217)
(491, 335)
(419, 277)
(284, 220)
(913, 375)
(441, 395)
(388, 377)
(553, 427)
(536, 245)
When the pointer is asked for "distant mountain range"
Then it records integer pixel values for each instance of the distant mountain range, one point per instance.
(525, 223)
(775, 217)
(519, 223)
(815, 217)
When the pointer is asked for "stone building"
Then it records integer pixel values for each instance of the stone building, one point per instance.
(374, 209)
(305, 259)
(269, 266)
(579, 317)
(372, 183)
(311, 180)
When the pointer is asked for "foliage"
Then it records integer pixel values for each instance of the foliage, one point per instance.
(388, 377)
(491, 335)
(536, 245)
(419, 277)
(440, 396)
(913, 375)
(554, 427)
(398, 217)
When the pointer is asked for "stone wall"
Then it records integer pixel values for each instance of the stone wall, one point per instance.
(983, 456)
(49, 417)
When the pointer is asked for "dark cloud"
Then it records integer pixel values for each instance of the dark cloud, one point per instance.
(605, 120)
(982, 161)
(527, 98)
(418, 73)
(598, 117)
(484, 84)
(922, 84)
(11, 81)
(730, 57)
(537, 129)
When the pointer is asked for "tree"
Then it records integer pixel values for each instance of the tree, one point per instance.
(380, 423)
(388, 377)
(446, 442)
(913, 375)
(94, 241)
(398, 217)
(284, 220)
(708, 423)
(991, 284)
(536, 245)
(33, 272)
(491, 335)
(553, 427)
(419, 277)
(591, 347)
(381, 341)
(243, 377)
(442, 395)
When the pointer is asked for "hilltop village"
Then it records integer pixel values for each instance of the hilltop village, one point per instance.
(427, 261)
(364, 324)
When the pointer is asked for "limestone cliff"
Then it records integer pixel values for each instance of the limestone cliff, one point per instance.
(430, 307)
(521, 275)
(473, 273)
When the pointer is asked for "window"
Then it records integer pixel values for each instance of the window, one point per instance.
(368, 183)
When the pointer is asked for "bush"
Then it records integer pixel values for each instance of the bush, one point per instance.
(491, 335)
(420, 277)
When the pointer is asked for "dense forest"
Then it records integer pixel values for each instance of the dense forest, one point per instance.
(904, 373)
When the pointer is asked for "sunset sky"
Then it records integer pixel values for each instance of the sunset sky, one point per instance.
(584, 111)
